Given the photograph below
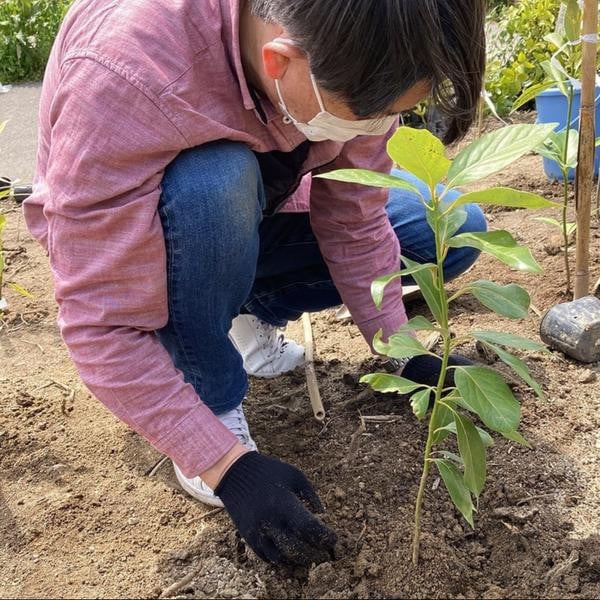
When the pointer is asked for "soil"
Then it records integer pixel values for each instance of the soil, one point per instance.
(83, 513)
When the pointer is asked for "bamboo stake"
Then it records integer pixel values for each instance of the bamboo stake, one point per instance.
(311, 375)
(587, 139)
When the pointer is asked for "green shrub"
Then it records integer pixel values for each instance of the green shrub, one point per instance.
(516, 47)
(496, 4)
(27, 32)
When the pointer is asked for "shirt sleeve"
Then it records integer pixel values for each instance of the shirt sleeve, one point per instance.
(356, 238)
(110, 143)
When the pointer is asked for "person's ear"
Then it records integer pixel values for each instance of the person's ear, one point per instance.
(277, 55)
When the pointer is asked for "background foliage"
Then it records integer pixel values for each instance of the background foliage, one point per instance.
(516, 47)
(27, 32)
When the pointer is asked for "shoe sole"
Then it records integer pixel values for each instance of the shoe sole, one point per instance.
(210, 500)
(260, 375)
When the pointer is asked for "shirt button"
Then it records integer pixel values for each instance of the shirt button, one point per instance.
(287, 121)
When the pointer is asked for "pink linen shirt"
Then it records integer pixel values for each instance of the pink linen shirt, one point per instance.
(129, 85)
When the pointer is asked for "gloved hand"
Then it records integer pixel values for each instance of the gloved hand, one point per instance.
(263, 497)
(426, 369)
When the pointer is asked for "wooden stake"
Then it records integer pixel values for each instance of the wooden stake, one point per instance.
(587, 138)
(311, 375)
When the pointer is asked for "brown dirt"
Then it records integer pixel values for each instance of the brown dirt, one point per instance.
(81, 517)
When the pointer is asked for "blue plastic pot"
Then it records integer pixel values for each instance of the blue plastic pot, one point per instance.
(552, 108)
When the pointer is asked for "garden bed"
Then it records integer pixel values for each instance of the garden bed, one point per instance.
(81, 516)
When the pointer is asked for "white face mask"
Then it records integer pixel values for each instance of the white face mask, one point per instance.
(325, 126)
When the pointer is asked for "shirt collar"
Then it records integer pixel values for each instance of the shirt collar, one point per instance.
(230, 10)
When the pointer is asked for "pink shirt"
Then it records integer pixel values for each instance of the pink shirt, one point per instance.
(129, 85)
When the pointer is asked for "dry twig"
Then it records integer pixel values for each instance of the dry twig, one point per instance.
(354, 439)
(361, 535)
(536, 310)
(157, 465)
(178, 585)
(69, 397)
(562, 568)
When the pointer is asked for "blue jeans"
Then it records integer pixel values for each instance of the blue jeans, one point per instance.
(224, 258)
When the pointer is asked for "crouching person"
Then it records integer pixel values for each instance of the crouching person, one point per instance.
(174, 195)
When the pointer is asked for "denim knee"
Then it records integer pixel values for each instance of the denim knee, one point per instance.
(476, 221)
(225, 170)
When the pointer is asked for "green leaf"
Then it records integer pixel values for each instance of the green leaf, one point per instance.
(555, 38)
(450, 221)
(420, 403)
(494, 151)
(19, 289)
(500, 244)
(510, 301)
(501, 196)
(419, 152)
(571, 227)
(530, 93)
(378, 286)
(459, 493)
(428, 286)
(572, 147)
(554, 148)
(508, 339)
(2, 125)
(515, 436)
(383, 382)
(472, 451)
(371, 178)
(485, 393)
(550, 149)
(453, 457)
(549, 221)
(557, 73)
(399, 345)
(518, 366)
(573, 21)
(486, 438)
(418, 323)
(443, 416)
(487, 97)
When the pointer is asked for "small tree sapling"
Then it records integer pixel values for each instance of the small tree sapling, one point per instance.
(562, 71)
(478, 390)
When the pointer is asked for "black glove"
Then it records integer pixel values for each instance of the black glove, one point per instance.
(426, 369)
(263, 497)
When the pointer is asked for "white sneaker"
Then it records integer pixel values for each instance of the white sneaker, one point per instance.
(235, 421)
(264, 349)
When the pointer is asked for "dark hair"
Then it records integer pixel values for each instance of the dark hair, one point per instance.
(370, 52)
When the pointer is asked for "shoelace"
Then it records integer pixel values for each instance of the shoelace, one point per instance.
(236, 423)
(271, 339)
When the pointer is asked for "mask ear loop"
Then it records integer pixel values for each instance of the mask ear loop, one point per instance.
(287, 118)
(317, 93)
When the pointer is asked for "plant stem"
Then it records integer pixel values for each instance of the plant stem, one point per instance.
(426, 457)
(565, 232)
(445, 332)
(598, 196)
(565, 172)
